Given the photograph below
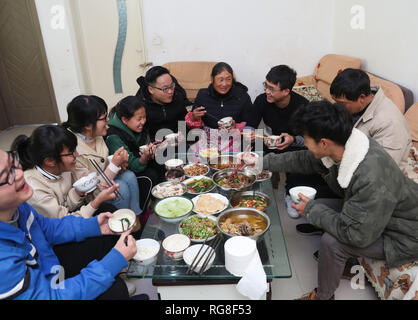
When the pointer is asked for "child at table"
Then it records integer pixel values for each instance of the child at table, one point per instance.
(127, 130)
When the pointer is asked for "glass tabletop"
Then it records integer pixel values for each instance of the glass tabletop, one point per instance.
(272, 249)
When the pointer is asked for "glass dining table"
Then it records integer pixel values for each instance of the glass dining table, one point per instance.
(271, 248)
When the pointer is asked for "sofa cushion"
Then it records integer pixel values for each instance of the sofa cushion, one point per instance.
(191, 75)
(308, 92)
(400, 283)
(331, 64)
(391, 90)
(323, 89)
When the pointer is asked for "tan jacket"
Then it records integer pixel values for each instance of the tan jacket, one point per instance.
(83, 164)
(56, 198)
(383, 122)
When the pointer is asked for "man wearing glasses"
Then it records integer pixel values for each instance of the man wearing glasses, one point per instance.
(275, 107)
(164, 99)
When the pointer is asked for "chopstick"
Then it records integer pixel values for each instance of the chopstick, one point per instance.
(192, 266)
(105, 177)
(216, 243)
(256, 135)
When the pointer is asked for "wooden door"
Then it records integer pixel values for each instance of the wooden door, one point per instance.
(26, 93)
(109, 36)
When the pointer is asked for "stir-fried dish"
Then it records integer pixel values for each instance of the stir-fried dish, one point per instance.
(237, 181)
(199, 228)
(222, 166)
(255, 202)
(200, 185)
(196, 170)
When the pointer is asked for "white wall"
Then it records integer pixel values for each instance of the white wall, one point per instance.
(388, 43)
(60, 53)
(252, 36)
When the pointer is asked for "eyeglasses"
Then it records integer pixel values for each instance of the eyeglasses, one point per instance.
(10, 178)
(73, 154)
(269, 88)
(166, 89)
(103, 118)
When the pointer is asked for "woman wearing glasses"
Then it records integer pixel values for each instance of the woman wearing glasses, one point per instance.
(164, 99)
(48, 159)
(42, 258)
(87, 119)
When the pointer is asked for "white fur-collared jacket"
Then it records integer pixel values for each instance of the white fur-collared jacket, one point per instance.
(379, 201)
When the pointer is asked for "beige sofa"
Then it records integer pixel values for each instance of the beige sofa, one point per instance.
(396, 283)
(191, 75)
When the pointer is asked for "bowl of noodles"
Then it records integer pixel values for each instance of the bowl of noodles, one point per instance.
(229, 180)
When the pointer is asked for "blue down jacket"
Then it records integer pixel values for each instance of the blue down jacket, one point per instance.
(29, 268)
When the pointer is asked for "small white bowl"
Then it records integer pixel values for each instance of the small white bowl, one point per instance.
(306, 191)
(143, 148)
(273, 141)
(115, 223)
(174, 164)
(147, 251)
(175, 244)
(172, 138)
(191, 253)
(86, 184)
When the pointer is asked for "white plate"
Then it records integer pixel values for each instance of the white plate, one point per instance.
(214, 195)
(198, 178)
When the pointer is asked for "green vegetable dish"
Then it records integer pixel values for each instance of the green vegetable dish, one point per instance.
(198, 228)
(174, 208)
(199, 186)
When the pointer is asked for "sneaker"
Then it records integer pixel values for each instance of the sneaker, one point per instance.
(308, 229)
(312, 296)
(142, 296)
(291, 211)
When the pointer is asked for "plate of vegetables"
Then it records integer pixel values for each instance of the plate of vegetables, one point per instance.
(199, 227)
(250, 199)
(199, 185)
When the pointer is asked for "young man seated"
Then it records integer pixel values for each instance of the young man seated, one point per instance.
(379, 215)
(374, 114)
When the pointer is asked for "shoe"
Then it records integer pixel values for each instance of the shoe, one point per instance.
(316, 255)
(308, 229)
(142, 296)
(313, 296)
(291, 211)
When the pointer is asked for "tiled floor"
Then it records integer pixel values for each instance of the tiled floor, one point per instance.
(300, 249)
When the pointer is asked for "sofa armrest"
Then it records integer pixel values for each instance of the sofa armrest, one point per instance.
(305, 81)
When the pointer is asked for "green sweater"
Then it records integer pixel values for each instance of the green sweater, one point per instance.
(130, 140)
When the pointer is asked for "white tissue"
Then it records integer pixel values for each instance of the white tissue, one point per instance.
(253, 283)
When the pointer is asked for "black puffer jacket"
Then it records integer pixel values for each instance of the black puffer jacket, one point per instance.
(163, 116)
(236, 104)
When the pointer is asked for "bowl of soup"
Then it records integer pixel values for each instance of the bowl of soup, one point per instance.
(247, 222)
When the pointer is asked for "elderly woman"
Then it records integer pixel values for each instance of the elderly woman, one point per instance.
(225, 97)
(36, 253)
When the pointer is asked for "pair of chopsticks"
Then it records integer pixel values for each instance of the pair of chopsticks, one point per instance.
(105, 177)
(209, 256)
(256, 135)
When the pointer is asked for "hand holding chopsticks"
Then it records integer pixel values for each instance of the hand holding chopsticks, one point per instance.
(105, 177)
